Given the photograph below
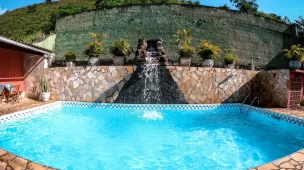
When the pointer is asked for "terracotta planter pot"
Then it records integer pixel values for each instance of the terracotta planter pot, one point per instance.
(295, 65)
(208, 63)
(119, 60)
(184, 61)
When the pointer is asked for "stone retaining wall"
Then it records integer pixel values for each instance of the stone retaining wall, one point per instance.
(272, 87)
(216, 85)
(193, 84)
(90, 84)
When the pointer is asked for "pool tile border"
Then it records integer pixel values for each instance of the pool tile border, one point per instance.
(246, 108)
(27, 112)
(293, 161)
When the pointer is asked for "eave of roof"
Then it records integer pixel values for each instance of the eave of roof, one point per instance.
(26, 46)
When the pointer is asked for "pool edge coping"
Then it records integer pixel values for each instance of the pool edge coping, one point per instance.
(295, 159)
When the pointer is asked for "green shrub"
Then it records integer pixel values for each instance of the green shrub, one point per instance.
(296, 52)
(207, 50)
(70, 56)
(186, 51)
(121, 48)
(229, 59)
(95, 48)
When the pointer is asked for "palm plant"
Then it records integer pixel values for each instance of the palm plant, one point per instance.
(183, 37)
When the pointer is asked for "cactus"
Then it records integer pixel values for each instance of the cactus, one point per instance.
(44, 85)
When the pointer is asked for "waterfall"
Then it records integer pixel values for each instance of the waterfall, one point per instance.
(152, 90)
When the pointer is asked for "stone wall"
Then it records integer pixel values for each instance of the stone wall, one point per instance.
(104, 83)
(272, 87)
(251, 36)
(216, 85)
(90, 84)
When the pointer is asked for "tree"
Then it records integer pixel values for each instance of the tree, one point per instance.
(286, 20)
(300, 23)
(48, 1)
(32, 9)
(248, 6)
(226, 7)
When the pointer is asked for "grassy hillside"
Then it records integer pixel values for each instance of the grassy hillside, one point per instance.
(28, 23)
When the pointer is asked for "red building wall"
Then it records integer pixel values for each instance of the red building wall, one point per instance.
(11, 67)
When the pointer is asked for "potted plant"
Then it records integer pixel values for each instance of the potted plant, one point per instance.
(95, 48)
(229, 59)
(70, 57)
(208, 52)
(185, 54)
(296, 54)
(45, 94)
(120, 49)
(185, 51)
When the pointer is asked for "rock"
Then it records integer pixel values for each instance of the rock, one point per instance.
(75, 84)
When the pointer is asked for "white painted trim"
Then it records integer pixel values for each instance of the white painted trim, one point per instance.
(5, 40)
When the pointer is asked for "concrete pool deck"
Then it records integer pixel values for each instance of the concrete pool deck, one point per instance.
(9, 161)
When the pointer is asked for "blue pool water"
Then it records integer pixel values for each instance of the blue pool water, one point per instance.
(102, 138)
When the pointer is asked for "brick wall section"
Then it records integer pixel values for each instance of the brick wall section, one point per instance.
(251, 35)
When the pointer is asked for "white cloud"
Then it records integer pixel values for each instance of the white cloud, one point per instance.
(2, 11)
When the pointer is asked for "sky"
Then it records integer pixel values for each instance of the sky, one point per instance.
(290, 8)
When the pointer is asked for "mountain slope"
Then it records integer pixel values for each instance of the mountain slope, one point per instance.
(27, 24)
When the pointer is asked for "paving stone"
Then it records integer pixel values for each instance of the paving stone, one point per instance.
(18, 163)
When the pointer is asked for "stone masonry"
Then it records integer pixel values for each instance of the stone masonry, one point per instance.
(197, 84)
(89, 84)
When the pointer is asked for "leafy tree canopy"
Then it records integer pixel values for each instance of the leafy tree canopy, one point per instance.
(248, 6)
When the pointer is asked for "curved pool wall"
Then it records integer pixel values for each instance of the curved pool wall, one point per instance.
(293, 161)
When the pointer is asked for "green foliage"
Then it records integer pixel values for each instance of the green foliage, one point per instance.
(65, 11)
(270, 16)
(70, 56)
(95, 48)
(207, 50)
(183, 37)
(121, 48)
(44, 85)
(248, 6)
(229, 58)
(29, 23)
(296, 52)
(225, 7)
(186, 51)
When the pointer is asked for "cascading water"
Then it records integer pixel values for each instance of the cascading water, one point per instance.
(151, 82)
(152, 90)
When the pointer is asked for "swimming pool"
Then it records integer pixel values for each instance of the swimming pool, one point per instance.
(112, 136)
